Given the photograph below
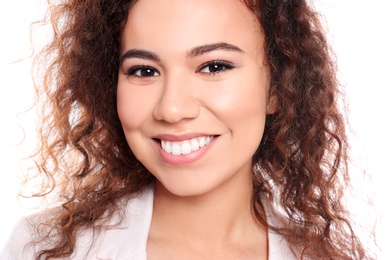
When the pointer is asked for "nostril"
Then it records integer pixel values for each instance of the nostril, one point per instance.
(174, 106)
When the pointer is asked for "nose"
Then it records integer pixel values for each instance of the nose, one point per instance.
(177, 101)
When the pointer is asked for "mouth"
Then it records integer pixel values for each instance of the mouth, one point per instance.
(185, 147)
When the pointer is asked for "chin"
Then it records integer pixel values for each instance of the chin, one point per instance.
(186, 189)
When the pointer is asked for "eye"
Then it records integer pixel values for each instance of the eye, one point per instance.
(142, 72)
(216, 67)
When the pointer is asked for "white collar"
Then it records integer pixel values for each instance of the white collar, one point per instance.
(129, 240)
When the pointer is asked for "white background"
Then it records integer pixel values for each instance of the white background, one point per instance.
(359, 31)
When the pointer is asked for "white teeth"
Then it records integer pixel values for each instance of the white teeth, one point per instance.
(167, 146)
(176, 149)
(202, 142)
(185, 147)
(194, 145)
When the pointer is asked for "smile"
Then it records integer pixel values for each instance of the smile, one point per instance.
(186, 146)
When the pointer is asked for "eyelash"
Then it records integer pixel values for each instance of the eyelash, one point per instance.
(133, 71)
(224, 64)
(219, 67)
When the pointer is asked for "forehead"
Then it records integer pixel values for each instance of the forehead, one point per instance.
(186, 23)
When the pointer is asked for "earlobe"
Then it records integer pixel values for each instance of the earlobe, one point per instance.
(272, 104)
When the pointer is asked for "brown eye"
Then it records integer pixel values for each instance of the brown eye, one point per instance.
(216, 67)
(143, 72)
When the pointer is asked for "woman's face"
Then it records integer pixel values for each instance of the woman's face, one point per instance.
(192, 91)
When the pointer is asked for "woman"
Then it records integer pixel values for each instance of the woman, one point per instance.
(190, 130)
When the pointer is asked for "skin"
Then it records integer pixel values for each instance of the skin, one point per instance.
(181, 91)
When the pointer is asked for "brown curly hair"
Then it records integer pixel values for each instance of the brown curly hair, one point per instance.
(300, 165)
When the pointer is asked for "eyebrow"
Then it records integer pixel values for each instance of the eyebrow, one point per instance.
(197, 51)
(141, 54)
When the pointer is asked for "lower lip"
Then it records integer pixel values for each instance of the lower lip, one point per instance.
(184, 159)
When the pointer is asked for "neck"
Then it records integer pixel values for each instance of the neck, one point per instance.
(219, 219)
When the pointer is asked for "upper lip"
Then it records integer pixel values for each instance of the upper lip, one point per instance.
(180, 138)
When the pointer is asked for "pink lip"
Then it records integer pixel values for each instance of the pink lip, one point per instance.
(184, 159)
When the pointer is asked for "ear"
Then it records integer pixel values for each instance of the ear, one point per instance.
(272, 104)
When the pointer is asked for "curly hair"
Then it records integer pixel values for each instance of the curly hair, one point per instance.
(300, 165)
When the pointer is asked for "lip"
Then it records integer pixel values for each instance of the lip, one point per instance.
(184, 159)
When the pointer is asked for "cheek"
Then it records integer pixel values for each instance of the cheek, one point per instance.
(126, 111)
(242, 100)
(131, 106)
(133, 112)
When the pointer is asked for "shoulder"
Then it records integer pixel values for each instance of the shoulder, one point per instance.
(128, 240)
(29, 237)
(278, 247)
(19, 244)
(122, 230)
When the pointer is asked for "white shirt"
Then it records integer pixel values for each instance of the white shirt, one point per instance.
(127, 241)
